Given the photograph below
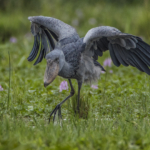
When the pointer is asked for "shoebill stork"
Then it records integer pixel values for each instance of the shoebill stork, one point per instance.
(72, 57)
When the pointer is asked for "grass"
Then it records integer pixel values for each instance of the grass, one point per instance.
(115, 116)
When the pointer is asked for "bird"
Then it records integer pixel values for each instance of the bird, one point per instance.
(73, 57)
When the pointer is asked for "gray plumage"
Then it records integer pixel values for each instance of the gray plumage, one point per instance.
(73, 57)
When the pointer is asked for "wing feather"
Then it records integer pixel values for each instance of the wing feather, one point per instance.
(119, 55)
(49, 30)
(124, 48)
(131, 60)
(40, 57)
(34, 50)
(50, 39)
(59, 28)
(113, 56)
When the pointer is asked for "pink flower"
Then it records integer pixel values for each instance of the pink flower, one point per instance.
(1, 89)
(94, 86)
(63, 86)
(13, 40)
(107, 62)
(103, 72)
(110, 71)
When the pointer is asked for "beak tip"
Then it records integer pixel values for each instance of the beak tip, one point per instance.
(45, 84)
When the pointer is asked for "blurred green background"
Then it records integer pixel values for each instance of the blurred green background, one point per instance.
(127, 15)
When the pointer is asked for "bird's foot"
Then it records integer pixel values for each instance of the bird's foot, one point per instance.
(57, 108)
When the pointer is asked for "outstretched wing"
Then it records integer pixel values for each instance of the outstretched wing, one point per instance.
(47, 31)
(124, 49)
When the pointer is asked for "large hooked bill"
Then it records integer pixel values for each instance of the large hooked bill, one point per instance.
(51, 71)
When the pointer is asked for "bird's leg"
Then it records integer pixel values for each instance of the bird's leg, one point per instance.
(78, 102)
(58, 107)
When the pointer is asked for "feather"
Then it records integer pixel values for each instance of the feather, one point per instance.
(122, 51)
(118, 41)
(35, 29)
(133, 44)
(54, 35)
(102, 43)
(45, 42)
(98, 64)
(129, 44)
(100, 52)
(118, 54)
(57, 28)
(144, 45)
(133, 63)
(141, 64)
(129, 60)
(139, 39)
(95, 55)
(142, 56)
(44, 39)
(143, 50)
(113, 56)
(39, 59)
(125, 63)
(34, 51)
(52, 44)
(134, 39)
(122, 42)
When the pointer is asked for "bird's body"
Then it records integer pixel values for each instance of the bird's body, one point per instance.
(72, 57)
(80, 66)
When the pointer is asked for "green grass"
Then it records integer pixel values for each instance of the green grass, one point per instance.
(115, 116)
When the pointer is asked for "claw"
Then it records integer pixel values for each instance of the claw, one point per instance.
(57, 108)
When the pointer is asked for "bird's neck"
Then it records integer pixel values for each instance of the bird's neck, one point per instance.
(65, 70)
(62, 61)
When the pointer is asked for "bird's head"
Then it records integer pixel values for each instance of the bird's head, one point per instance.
(55, 61)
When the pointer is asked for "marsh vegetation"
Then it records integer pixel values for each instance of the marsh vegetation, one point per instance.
(116, 115)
